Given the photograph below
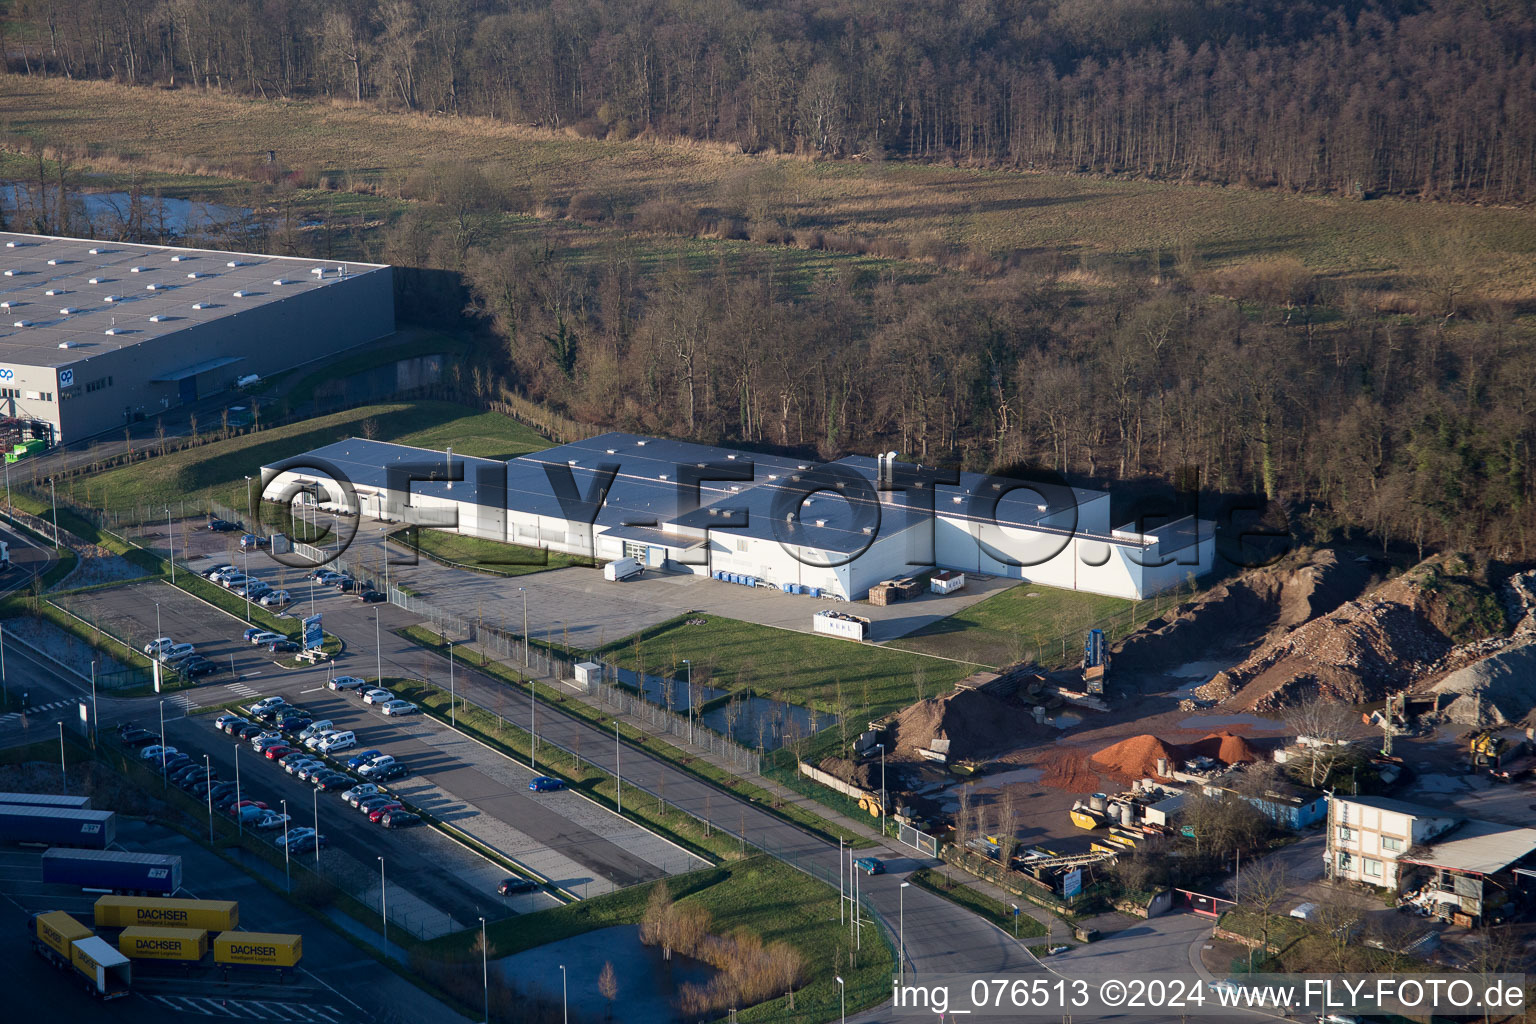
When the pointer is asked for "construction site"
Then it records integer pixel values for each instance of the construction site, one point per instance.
(1323, 671)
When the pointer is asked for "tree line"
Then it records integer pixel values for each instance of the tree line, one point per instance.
(1436, 97)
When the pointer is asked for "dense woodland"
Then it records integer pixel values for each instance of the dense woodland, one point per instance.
(1436, 97)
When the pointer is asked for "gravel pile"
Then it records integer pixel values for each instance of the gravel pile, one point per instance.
(1499, 690)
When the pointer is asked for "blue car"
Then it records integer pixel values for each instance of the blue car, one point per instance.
(870, 865)
(252, 632)
(545, 784)
(358, 760)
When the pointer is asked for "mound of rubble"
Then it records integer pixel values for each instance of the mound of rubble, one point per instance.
(1137, 758)
(974, 722)
(1225, 747)
(1498, 690)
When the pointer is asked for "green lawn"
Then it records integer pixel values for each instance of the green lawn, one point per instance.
(486, 435)
(763, 896)
(218, 470)
(488, 556)
(816, 671)
(978, 903)
(1029, 621)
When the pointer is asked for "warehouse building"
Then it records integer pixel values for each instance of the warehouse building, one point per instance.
(831, 528)
(95, 335)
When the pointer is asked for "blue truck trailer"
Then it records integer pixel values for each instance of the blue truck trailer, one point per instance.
(57, 826)
(78, 803)
(157, 874)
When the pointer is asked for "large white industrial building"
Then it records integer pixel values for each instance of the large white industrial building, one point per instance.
(835, 528)
(95, 335)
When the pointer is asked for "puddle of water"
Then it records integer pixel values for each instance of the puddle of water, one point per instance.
(108, 212)
(646, 983)
(1067, 720)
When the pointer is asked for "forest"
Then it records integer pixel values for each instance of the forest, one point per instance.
(1434, 98)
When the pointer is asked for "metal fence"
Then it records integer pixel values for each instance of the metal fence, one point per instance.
(919, 840)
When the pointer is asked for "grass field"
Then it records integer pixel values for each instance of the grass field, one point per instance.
(488, 556)
(1043, 624)
(218, 470)
(763, 896)
(978, 903)
(996, 211)
(796, 667)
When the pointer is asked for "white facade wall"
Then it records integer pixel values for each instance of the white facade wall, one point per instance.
(1366, 841)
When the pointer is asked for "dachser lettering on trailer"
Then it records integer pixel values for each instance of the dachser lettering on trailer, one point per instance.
(159, 914)
(253, 950)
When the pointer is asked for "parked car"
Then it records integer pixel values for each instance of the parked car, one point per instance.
(313, 743)
(293, 756)
(250, 732)
(222, 526)
(347, 683)
(282, 646)
(252, 589)
(368, 803)
(870, 865)
(138, 737)
(336, 742)
(399, 707)
(251, 632)
(377, 696)
(274, 599)
(332, 782)
(224, 719)
(197, 667)
(297, 765)
(266, 637)
(360, 792)
(265, 703)
(292, 835)
(356, 761)
(294, 720)
(235, 724)
(171, 764)
(250, 541)
(307, 844)
(377, 814)
(545, 784)
(315, 727)
(370, 596)
(217, 571)
(272, 819)
(308, 771)
(280, 750)
(373, 767)
(514, 885)
(154, 750)
(231, 580)
(392, 770)
(400, 819)
(154, 647)
(346, 584)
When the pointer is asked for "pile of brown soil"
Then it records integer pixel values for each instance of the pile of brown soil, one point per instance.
(1135, 758)
(1223, 747)
(975, 723)
(865, 776)
(1068, 770)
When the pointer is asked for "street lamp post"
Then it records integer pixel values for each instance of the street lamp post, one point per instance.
(4, 686)
(163, 783)
(316, 796)
(246, 586)
(239, 822)
(287, 877)
(524, 592)
(54, 491)
(384, 906)
(618, 780)
(208, 778)
(689, 684)
(882, 787)
(453, 713)
(901, 927)
(378, 649)
(565, 1007)
(63, 775)
(248, 495)
(93, 703)
(842, 997)
(170, 539)
(485, 972)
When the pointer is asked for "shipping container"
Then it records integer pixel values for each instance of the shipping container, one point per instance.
(187, 944)
(66, 943)
(113, 869)
(78, 803)
(261, 949)
(128, 911)
(850, 627)
(57, 826)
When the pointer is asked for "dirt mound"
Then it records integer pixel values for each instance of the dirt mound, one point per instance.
(1068, 770)
(975, 723)
(1224, 747)
(1135, 758)
(1242, 612)
(1392, 639)
(1499, 690)
(865, 776)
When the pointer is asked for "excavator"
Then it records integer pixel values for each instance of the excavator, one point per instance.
(1498, 756)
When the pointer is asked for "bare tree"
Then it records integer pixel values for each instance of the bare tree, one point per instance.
(1261, 888)
(608, 985)
(1327, 724)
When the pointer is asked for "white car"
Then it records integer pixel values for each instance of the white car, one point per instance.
(312, 728)
(216, 571)
(264, 704)
(292, 836)
(360, 792)
(313, 742)
(231, 580)
(347, 683)
(336, 742)
(399, 707)
(377, 696)
(266, 638)
(225, 719)
(155, 751)
(272, 819)
(154, 647)
(274, 599)
(378, 764)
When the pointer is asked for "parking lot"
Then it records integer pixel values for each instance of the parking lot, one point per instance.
(330, 963)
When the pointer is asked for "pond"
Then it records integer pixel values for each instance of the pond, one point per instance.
(108, 213)
(646, 982)
(753, 722)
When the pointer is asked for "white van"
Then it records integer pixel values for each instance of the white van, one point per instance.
(175, 651)
(622, 569)
(337, 742)
(314, 728)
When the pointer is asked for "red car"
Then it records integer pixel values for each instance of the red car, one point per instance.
(236, 810)
(273, 753)
(377, 814)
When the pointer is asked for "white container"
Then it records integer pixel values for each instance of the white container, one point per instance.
(849, 627)
(588, 675)
(946, 581)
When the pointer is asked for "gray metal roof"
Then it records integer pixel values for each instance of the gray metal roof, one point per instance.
(368, 464)
(1476, 847)
(138, 292)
